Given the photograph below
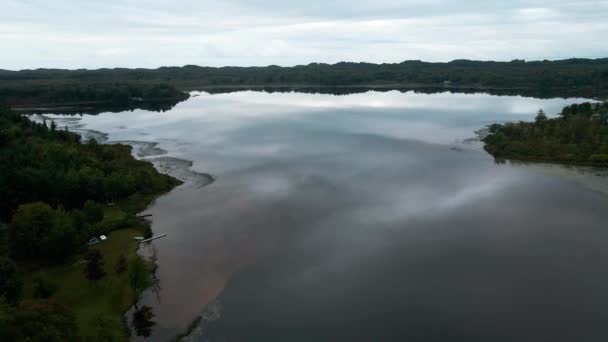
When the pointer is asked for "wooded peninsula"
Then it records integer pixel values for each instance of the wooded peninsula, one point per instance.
(58, 280)
(578, 136)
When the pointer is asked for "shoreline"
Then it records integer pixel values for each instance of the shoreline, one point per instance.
(123, 224)
(163, 163)
(524, 160)
(120, 240)
(97, 107)
(347, 86)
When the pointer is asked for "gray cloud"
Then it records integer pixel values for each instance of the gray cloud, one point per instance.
(129, 33)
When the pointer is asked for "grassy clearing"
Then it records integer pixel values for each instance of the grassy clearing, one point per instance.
(93, 302)
(98, 306)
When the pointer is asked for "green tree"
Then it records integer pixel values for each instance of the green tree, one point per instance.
(109, 329)
(121, 264)
(7, 317)
(94, 265)
(541, 117)
(3, 239)
(93, 211)
(41, 321)
(139, 275)
(43, 289)
(142, 321)
(30, 227)
(38, 230)
(10, 282)
(93, 145)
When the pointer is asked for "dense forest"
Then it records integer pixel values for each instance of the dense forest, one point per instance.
(42, 163)
(588, 77)
(56, 193)
(578, 136)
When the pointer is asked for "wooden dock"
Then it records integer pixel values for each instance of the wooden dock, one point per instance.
(153, 238)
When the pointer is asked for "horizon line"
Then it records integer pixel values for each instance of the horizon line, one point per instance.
(317, 63)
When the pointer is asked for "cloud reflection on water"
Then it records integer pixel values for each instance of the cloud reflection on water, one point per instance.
(329, 210)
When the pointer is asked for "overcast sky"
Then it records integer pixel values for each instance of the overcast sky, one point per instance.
(128, 33)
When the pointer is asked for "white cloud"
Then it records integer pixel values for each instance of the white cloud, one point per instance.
(129, 33)
(112, 52)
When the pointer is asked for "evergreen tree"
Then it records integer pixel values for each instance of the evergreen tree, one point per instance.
(142, 321)
(94, 265)
(541, 117)
(10, 282)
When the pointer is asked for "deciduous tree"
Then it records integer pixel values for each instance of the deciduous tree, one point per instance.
(10, 282)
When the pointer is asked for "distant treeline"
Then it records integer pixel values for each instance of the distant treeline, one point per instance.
(578, 136)
(102, 95)
(419, 89)
(585, 77)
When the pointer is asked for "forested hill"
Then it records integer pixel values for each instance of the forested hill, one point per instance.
(587, 77)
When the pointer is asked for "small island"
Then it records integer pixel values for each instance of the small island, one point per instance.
(578, 136)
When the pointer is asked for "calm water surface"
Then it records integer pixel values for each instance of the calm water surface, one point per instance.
(372, 216)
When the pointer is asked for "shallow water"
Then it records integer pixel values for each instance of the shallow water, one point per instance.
(373, 216)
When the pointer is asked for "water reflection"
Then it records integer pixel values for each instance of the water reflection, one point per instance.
(366, 217)
(546, 93)
(94, 109)
(142, 321)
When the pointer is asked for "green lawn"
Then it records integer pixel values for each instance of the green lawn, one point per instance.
(108, 299)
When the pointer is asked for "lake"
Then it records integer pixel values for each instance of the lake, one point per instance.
(374, 216)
